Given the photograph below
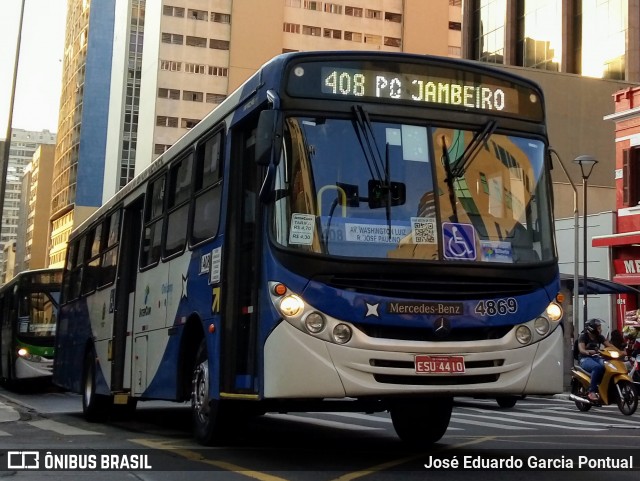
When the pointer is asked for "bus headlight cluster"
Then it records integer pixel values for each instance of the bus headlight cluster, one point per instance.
(541, 326)
(25, 354)
(301, 315)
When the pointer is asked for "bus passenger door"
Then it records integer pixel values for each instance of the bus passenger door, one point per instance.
(124, 296)
(241, 267)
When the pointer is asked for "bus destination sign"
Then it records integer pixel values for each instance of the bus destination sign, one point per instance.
(415, 84)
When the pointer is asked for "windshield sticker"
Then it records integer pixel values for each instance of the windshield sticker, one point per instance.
(393, 136)
(415, 144)
(374, 233)
(23, 326)
(302, 229)
(459, 241)
(496, 251)
(423, 230)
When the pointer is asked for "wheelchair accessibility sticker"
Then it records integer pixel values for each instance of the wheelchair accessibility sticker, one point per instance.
(459, 241)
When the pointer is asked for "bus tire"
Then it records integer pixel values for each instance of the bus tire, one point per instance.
(205, 412)
(421, 421)
(95, 407)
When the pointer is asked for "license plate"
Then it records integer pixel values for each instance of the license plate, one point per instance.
(439, 364)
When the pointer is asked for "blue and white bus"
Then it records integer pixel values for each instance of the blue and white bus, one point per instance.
(347, 231)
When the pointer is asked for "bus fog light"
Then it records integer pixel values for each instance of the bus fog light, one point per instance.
(523, 335)
(554, 312)
(291, 306)
(22, 352)
(341, 333)
(541, 325)
(315, 322)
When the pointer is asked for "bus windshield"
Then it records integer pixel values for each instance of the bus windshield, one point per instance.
(38, 314)
(355, 187)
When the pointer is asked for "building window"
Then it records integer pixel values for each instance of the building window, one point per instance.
(198, 14)
(196, 42)
(173, 11)
(173, 38)
(219, 44)
(353, 11)
(160, 148)
(455, 26)
(163, 121)
(291, 28)
(332, 8)
(309, 30)
(393, 17)
(392, 42)
(489, 30)
(220, 17)
(173, 94)
(311, 5)
(192, 96)
(374, 14)
(188, 123)
(215, 98)
(332, 33)
(195, 68)
(539, 34)
(372, 39)
(218, 71)
(630, 172)
(170, 65)
(292, 3)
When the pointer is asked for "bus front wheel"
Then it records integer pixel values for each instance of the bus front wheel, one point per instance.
(205, 412)
(95, 407)
(421, 421)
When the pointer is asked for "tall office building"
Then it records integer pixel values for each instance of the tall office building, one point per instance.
(138, 75)
(23, 144)
(78, 172)
(594, 38)
(193, 53)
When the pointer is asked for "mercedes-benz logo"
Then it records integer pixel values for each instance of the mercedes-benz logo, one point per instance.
(442, 327)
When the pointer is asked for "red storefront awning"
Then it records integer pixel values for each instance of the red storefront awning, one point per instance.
(627, 279)
(622, 239)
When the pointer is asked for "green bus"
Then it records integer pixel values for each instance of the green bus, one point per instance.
(28, 314)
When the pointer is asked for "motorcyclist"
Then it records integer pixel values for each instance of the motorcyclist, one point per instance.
(589, 344)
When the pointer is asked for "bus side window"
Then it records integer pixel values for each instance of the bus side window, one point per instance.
(179, 193)
(154, 219)
(208, 186)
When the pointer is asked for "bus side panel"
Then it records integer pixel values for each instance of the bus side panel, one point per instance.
(101, 326)
(189, 299)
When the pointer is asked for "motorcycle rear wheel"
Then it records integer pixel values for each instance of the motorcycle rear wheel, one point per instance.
(628, 401)
(579, 390)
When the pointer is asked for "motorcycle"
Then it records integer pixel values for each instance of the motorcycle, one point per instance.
(616, 385)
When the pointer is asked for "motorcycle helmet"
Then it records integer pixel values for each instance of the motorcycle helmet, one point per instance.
(592, 325)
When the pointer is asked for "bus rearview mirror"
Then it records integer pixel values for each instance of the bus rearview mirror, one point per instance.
(265, 136)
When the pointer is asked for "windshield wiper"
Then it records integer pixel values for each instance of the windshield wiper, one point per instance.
(446, 160)
(461, 165)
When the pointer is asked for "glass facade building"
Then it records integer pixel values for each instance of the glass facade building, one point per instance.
(593, 38)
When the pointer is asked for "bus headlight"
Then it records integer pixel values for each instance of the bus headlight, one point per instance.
(291, 306)
(523, 334)
(341, 334)
(25, 354)
(315, 322)
(541, 325)
(554, 312)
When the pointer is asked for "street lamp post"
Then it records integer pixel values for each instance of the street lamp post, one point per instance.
(586, 163)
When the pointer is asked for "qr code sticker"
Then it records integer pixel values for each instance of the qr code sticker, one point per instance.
(423, 230)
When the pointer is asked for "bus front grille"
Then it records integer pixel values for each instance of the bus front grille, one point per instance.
(427, 334)
(435, 380)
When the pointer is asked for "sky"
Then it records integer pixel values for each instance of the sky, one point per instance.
(39, 79)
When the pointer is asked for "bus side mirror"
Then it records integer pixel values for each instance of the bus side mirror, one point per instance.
(266, 136)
